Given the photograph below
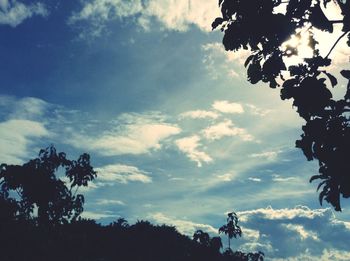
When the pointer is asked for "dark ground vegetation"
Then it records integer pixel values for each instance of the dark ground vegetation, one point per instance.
(40, 220)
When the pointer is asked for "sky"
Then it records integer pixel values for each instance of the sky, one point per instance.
(177, 134)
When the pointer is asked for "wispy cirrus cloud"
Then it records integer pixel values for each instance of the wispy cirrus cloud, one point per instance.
(109, 202)
(21, 127)
(219, 62)
(254, 179)
(98, 215)
(229, 176)
(257, 111)
(29, 108)
(14, 12)
(199, 114)
(119, 173)
(15, 137)
(267, 155)
(172, 15)
(191, 147)
(183, 226)
(278, 178)
(131, 134)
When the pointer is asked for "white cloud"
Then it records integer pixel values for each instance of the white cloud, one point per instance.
(254, 179)
(16, 136)
(133, 134)
(226, 177)
(268, 155)
(190, 145)
(29, 108)
(199, 114)
(183, 226)
(122, 174)
(284, 213)
(109, 202)
(99, 12)
(179, 14)
(13, 12)
(97, 215)
(326, 254)
(218, 51)
(304, 234)
(278, 178)
(298, 233)
(227, 107)
(233, 74)
(257, 111)
(103, 10)
(172, 14)
(226, 129)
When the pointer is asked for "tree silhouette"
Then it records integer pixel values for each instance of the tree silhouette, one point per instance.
(231, 228)
(42, 219)
(215, 243)
(201, 237)
(40, 190)
(255, 25)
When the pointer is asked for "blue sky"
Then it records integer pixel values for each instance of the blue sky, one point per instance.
(175, 131)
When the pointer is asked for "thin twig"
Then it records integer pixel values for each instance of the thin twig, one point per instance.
(76, 190)
(336, 43)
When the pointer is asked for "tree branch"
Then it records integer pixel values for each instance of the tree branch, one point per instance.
(337, 21)
(340, 37)
(76, 190)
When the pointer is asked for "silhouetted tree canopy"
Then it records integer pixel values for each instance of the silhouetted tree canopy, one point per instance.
(255, 25)
(38, 189)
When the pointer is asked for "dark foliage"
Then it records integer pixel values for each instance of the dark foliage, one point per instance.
(253, 25)
(85, 240)
(231, 228)
(57, 233)
(38, 189)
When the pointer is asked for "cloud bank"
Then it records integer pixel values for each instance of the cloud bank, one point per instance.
(14, 12)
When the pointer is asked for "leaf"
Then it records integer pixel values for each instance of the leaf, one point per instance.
(249, 59)
(315, 177)
(254, 73)
(320, 185)
(331, 78)
(321, 196)
(217, 22)
(319, 20)
(345, 74)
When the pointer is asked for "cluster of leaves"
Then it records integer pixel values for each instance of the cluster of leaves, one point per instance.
(231, 228)
(36, 188)
(255, 25)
